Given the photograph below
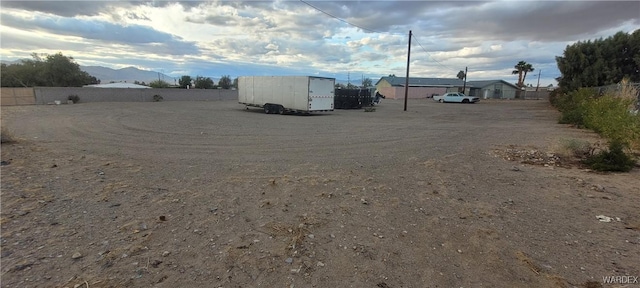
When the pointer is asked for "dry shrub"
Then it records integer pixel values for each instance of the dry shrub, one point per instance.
(578, 148)
(297, 234)
(6, 136)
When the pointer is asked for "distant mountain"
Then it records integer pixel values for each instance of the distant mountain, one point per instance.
(129, 75)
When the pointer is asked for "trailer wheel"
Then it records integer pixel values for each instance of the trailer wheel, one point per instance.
(280, 110)
(267, 109)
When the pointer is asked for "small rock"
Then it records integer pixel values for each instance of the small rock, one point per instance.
(606, 197)
(515, 168)
(603, 218)
(363, 201)
(76, 255)
(311, 236)
(163, 218)
(598, 188)
(4, 163)
(156, 263)
(320, 264)
(288, 260)
(459, 251)
(332, 236)
(165, 253)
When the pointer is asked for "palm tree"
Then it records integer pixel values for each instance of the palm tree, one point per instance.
(522, 68)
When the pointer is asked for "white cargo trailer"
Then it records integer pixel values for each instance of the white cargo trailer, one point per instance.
(282, 94)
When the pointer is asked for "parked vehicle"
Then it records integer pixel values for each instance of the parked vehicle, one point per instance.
(287, 94)
(456, 97)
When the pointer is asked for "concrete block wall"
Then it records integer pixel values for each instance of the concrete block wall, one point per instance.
(47, 95)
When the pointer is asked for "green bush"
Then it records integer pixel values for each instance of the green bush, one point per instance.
(614, 159)
(555, 96)
(74, 98)
(610, 117)
(572, 106)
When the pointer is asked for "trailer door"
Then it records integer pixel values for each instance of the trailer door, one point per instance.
(321, 92)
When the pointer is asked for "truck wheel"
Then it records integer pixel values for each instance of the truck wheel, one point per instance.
(440, 100)
(465, 101)
(267, 109)
(280, 110)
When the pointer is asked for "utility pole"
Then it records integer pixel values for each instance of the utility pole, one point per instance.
(539, 71)
(406, 83)
(464, 86)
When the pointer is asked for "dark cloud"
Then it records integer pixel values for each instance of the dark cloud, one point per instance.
(542, 20)
(386, 16)
(502, 20)
(88, 7)
(65, 8)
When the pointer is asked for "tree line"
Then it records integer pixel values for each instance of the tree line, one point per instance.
(54, 70)
(201, 82)
(600, 62)
(58, 70)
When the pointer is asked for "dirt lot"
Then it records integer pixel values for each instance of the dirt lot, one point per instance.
(207, 194)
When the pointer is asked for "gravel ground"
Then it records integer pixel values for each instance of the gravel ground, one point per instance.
(208, 194)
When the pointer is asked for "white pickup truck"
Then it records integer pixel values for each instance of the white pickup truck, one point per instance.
(456, 97)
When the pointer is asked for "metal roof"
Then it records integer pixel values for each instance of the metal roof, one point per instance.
(118, 85)
(440, 82)
(413, 81)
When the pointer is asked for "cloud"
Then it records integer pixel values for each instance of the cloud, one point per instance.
(370, 37)
(146, 38)
(65, 8)
(546, 21)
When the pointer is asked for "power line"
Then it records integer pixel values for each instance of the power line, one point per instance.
(429, 54)
(371, 30)
(339, 19)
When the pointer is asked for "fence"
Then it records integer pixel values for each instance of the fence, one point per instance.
(614, 88)
(17, 96)
(542, 93)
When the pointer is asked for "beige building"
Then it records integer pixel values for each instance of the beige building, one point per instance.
(393, 87)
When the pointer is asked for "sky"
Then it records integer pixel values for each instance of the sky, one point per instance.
(347, 40)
